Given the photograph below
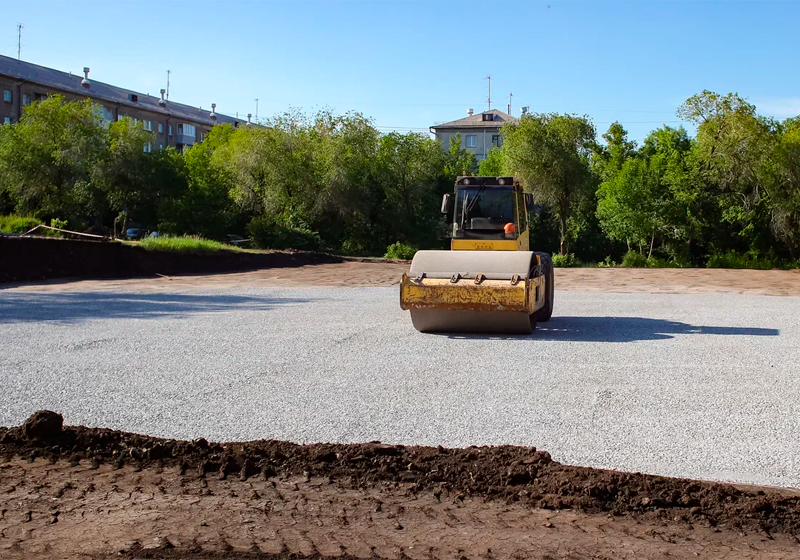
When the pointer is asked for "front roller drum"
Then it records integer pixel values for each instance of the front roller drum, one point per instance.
(480, 322)
(473, 291)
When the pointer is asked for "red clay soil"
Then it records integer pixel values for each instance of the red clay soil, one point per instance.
(77, 492)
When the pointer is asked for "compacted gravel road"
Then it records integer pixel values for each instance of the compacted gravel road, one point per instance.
(704, 386)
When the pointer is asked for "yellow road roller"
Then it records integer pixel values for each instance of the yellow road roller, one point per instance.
(489, 281)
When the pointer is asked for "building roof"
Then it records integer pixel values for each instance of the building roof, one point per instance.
(499, 118)
(70, 83)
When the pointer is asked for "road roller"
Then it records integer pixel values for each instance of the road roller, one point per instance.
(489, 281)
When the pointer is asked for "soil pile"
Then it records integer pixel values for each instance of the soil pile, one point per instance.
(511, 474)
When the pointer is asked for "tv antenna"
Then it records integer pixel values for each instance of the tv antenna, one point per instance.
(256, 109)
(489, 100)
(168, 73)
(19, 41)
(510, 96)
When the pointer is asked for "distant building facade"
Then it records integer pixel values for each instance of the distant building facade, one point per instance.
(480, 132)
(173, 124)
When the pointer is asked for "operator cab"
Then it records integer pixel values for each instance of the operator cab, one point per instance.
(488, 208)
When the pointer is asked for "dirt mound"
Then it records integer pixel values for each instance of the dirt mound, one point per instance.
(521, 475)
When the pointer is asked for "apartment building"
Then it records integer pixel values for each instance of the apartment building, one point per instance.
(479, 132)
(174, 124)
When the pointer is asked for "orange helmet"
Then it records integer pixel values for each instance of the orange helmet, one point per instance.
(510, 228)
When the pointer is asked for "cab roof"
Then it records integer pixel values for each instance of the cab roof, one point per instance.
(467, 181)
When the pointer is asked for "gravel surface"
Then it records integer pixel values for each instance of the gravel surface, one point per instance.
(702, 386)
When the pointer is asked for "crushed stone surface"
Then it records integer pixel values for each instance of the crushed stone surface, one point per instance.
(702, 386)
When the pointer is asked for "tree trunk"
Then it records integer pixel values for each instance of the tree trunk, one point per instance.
(652, 240)
(563, 222)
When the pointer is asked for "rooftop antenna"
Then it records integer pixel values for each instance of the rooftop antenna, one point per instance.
(168, 73)
(19, 41)
(510, 95)
(256, 109)
(489, 100)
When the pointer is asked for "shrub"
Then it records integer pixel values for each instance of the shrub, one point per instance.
(732, 259)
(607, 263)
(276, 233)
(60, 224)
(566, 261)
(18, 224)
(657, 262)
(401, 251)
(632, 259)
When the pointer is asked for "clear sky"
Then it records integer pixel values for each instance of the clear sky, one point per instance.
(409, 65)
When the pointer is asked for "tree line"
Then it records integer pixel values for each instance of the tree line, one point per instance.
(727, 196)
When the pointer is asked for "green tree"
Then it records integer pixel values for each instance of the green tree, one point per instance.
(610, 158)
(47, 158)
(646, 198)
(459, 161)
(552, 154)
(410, 168)
(203, 206)
(493, 165)
(128, 175)
(730, 159)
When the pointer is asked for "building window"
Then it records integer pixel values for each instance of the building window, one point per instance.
(202, 136)
(120, 117)
(107, 114)
(187, 130)
(148, 147)
(6, 120)
(26, 99)
(160, 128)
(41, 96)
(147, 125)
(170, 130)
(497, 141)
(161, 147)
(472, 141)
(7, 95)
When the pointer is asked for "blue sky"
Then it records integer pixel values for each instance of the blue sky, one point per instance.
(409, 65)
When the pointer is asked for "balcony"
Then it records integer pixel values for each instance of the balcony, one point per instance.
(184, 139)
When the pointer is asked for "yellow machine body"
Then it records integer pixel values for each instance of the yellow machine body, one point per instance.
(489, 281)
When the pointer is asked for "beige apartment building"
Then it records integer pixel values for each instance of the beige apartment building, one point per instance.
(479, 132)
(173, 124)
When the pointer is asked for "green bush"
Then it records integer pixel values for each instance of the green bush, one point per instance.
(18, 224)
(566, 261)
(632, 259)
(402, 251)
(607, 263)
(657, 262)
(60, 224)
(276, 233)
(732, 259)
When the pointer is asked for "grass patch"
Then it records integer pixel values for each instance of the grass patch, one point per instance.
(190, 245)
(18, 224)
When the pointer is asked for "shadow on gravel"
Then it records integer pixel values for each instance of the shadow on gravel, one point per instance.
(79, 306)
(621, 329)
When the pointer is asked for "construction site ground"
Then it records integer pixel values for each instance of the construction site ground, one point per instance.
(96, 493)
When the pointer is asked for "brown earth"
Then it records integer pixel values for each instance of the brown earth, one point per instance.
(364, 274)
(77, 492)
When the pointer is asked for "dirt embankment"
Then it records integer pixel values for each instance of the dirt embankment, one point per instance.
(67, 492)
(26, 259)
